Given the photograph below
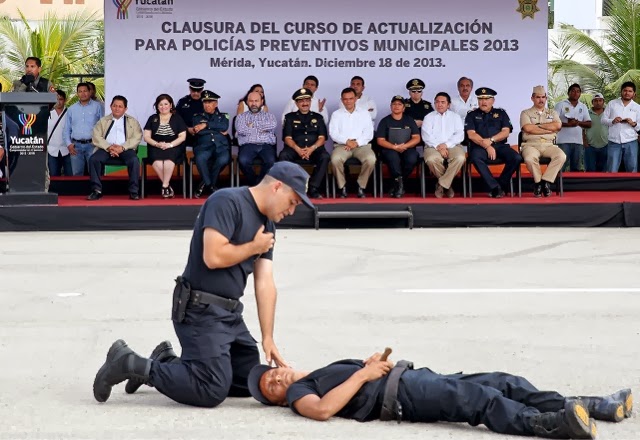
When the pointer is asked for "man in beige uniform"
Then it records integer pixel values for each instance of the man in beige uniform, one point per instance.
(539, 126)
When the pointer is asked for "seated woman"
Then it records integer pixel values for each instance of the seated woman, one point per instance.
(372, 389)
(165, 133)
(242, 103)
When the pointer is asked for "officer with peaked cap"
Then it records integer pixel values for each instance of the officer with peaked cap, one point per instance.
(416, 107)
(191, 104)
(305, 133)
(488, 129)
(212, 151)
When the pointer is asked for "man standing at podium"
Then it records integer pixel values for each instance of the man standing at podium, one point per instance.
(31, 81)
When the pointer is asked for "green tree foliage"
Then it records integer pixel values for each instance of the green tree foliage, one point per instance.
(73, 44)
(611, 62)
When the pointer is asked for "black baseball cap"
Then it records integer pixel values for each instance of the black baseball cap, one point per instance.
(254, 379)
(294, 176)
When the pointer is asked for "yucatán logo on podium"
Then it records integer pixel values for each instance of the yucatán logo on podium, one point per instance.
(27, 122)
(27, 143)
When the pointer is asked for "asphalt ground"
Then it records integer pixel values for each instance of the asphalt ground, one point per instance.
(558, 306)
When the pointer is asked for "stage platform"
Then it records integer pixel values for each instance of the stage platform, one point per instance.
(117, 212)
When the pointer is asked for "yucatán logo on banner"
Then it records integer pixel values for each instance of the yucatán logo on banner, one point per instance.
(528, 8)
(27, 122)
(123, 8)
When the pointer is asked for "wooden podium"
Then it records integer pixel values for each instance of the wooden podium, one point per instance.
(24, 120)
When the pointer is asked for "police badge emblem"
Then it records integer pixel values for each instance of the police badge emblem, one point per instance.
(313, 121)
(496, 115)
(528, 8)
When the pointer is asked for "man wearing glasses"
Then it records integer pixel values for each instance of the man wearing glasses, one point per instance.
(416, 107)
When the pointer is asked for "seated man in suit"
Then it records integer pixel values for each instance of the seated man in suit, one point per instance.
(115, 136)
(375, 389)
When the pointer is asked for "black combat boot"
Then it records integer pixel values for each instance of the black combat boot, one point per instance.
(399, 188)
(571, 422)
(162, 353)
(122, 363)
(613, 408)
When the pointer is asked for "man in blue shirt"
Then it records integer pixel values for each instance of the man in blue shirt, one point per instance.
(81, 118)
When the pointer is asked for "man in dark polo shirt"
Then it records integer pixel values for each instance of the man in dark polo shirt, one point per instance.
(397, 136)
(304, 133)
(232, 238)
(376, 389)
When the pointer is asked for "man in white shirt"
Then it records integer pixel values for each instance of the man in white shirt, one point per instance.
(574, 116)
(351, 129)
(115, 136)
(363, 101)
(621, 116)
(58, 157)
(442, 133)
(465, 101)
(310, 83)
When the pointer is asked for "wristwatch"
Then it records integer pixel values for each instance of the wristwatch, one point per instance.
(493, 142)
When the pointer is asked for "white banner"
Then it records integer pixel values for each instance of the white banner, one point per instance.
(153, 46)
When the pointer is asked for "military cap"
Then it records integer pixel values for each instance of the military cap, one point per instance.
(397, 98)
(196, 83)
(539, 90)
(302, 94)
(208, 95)
(415, 84)
(485, 92)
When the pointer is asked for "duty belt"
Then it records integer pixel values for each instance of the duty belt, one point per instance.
(201, 297)
(391, 407)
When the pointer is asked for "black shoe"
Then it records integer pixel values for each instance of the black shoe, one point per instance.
(212, 189)
(95, 195)
(200, 190)
(170, 193)
(122, 363)
(314, 193)
(165, 193)
(392, 193)
(571, 422)
(134, 196)
(343, 192)
(361, 194)
(163, 352)
(546, 189)
(399, 188)
(497, 193)
(613, 408)
(537, 189)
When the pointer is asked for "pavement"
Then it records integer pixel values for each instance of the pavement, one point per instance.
(558, 306)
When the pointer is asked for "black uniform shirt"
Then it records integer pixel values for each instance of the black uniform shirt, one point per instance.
(487, 124)
(233, 213)
(304, 129)
(388, 125)
(187, 107)
(363, 407)
(417, 111)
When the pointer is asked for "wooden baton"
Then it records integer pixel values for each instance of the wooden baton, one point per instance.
(386, 353)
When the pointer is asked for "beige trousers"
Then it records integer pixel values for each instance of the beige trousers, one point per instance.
(531, 154)
(364, 154)
(435, 162)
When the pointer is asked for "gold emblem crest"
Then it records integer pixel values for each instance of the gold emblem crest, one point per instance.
(313, 121)
(496, 115)
(484, 91)
(415, 82)
(528, 8)
(303, 90)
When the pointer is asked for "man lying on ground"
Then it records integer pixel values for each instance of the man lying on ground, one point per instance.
(375, 389)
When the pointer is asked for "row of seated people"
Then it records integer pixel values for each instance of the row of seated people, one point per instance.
(351, 129)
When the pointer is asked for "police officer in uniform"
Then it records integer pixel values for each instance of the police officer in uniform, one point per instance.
(488, 128)
(212, 151)
(304, 134)
(233, 237)
(189, 105)
(416, 107)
